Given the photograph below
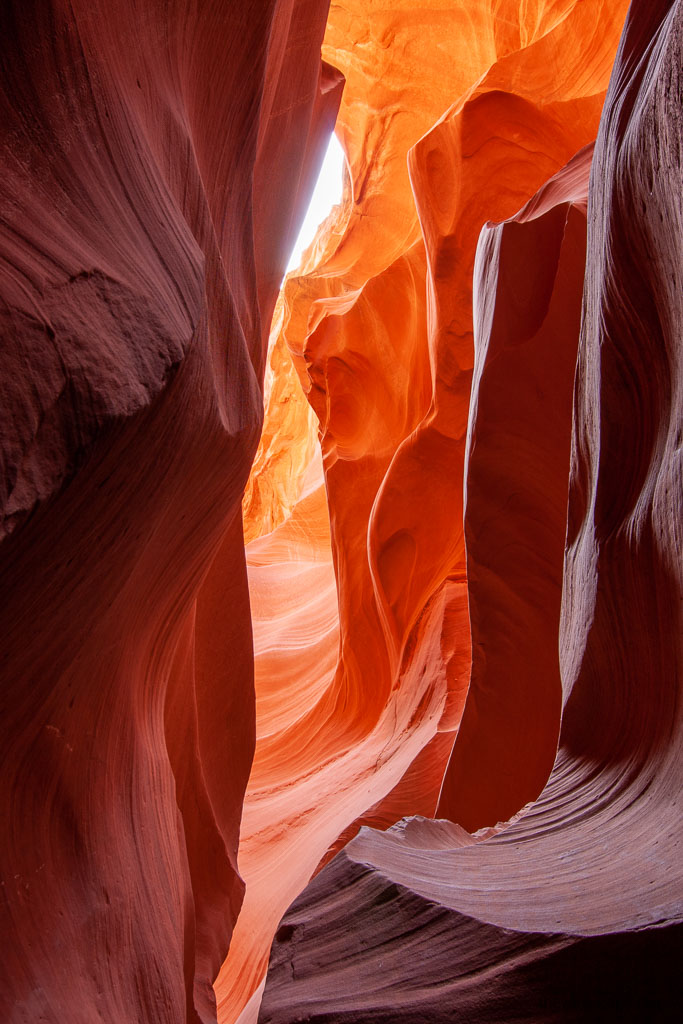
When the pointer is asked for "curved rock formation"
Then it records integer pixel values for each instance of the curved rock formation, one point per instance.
(528, 283)
(379, 321)
(155, 159)
(572, 911)
(460, 603)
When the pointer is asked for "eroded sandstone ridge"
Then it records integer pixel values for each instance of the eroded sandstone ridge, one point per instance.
(155, 160)
(460, 604)
(573, 911)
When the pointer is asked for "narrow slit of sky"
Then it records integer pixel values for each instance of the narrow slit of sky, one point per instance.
(326, 194)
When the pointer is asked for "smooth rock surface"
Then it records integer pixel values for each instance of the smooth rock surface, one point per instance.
(573, 910)
(155, 159)
(448, 592)
(451, 117)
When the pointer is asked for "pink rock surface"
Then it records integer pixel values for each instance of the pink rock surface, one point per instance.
(146, 150)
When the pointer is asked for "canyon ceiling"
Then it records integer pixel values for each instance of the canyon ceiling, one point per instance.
(341, 623)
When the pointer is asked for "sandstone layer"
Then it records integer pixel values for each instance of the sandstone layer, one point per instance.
(450, 118)
(155, 161)
(365, 595)
(572, 910)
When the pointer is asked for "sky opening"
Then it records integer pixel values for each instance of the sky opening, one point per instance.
(326, 194)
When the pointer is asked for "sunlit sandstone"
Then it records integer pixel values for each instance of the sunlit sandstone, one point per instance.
(462, 521)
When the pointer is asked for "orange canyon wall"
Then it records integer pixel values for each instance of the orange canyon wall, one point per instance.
(459, 609)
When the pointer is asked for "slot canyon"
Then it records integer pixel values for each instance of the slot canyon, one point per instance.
(341, 610)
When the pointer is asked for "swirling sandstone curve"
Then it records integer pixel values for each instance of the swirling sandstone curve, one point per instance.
(379, 323)
(573, 911)
(138, 183)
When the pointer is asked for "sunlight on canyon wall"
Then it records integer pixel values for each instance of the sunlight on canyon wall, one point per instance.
(341, 622)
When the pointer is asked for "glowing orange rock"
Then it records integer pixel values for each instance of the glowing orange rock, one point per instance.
(451, 116)
(154, 169)
(529, 281)
(572, 909)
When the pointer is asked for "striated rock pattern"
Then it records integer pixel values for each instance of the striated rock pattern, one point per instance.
(379, 321)
(448, 593)
(155, 161)
(573, 910)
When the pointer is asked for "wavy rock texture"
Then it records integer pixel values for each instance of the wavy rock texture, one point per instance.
(527, 309)
(155, 161)
(572, 911)
(411, 579)
(379, 322)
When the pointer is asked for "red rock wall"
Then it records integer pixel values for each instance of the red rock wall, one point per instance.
(474, 383)
(528, 283)
(380, 326)
(572, 911)
(155, 159)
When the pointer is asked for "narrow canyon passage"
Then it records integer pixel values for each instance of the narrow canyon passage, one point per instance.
(340, 603)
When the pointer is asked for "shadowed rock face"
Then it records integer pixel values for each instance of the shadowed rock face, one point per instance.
(155, 159)
(459, 608)
(573, 911)
(452, 117)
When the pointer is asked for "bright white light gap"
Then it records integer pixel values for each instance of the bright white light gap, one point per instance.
(326, 194)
